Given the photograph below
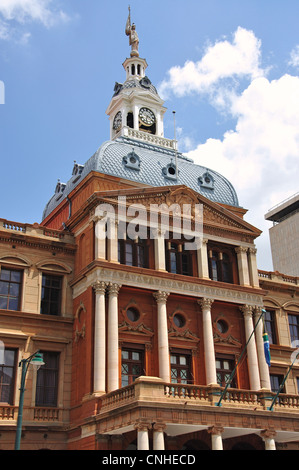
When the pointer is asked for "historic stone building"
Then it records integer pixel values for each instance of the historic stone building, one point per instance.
(141, 289)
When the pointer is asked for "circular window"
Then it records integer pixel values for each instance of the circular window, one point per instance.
(222, 326)
(179, 320)
(171, 170)
(133, 314)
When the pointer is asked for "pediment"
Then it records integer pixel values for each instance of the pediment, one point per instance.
(215, 217)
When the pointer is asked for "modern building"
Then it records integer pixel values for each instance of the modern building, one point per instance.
(284, 236)
(141, 289)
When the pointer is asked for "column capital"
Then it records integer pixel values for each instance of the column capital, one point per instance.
(241, 249)
(99, 287)
(160, 427)
(161, 296)
(142, 425)
(205, 303)
(268, 434)
(216, 430)
(247, 310)
(252, 251)
(257, 310)
(113, 289)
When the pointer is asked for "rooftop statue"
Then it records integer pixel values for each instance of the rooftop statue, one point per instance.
(133, 36)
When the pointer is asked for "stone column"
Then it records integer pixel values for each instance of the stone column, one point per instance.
(113, 361)
(253, 366)
(263, 366)
(202, 260)
(163, 347)
(100, 237)
(142, 435)
(159, 247)
(243, 265)
(158, 436)
(112, 236)
(99, 384)
(210, 362)
(252, 264)
(216, 437)
(268, 437)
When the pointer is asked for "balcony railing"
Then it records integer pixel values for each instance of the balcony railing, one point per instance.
(36, 414)
(145, 389)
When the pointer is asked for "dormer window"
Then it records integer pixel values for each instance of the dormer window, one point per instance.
(170, 171)
(60, 187)
(77, 169)
(132, 161)
(206, 180)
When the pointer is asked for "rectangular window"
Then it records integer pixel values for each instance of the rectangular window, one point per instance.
(270, 326)
(294, 327)
(133, 252)
(51, 295)
(224, 369)
(276, 381)
(10, 288)
(131, 365)
(47, 380)
(7, 377)
(178, 261)
(180, 368)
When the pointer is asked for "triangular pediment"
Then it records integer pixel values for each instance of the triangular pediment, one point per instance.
(216, 218)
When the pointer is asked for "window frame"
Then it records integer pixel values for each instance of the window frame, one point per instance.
(174, 250)
(293, 326)
(46, 371)
(131, 349)
(59, 276)
(12, 385)
(270, 325)
(134, 245)
(10, 282)
(216, 262)
(223, 371)
(177, 353)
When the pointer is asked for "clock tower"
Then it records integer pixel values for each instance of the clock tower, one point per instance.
(136, 110)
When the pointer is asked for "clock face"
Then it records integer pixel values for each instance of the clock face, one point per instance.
(117, 121)
(147, 116)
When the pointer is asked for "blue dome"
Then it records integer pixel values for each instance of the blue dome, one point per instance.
(151, 165)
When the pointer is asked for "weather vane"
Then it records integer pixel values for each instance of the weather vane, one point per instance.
(133, 36)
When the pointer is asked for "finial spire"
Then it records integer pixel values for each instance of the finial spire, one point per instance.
(133, 36)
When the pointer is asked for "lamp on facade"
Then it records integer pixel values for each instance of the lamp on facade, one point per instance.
(36, 360)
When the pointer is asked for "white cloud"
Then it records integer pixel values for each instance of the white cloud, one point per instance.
(260, 155)
(23, 12)
(294, 57)
(222, 60)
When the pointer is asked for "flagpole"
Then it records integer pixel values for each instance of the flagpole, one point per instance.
(239, 360)
(282, 383)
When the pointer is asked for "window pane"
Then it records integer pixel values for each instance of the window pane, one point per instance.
(47, 380)
(5, 274)
(183, 360)
(135, 356)
(4, 286)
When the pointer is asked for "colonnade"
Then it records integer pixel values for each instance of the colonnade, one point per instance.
(246, 256)
(258, 370)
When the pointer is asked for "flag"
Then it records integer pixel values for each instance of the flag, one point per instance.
(267, 348)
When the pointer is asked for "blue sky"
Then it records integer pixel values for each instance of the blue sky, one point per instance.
(228, 68)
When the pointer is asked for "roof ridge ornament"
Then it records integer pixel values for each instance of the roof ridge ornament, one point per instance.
(133, 36)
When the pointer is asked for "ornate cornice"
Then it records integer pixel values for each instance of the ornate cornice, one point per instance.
(156, 283)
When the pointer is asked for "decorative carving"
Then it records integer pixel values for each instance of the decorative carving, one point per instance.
(216, 430)
(113, 289)
(139, 328)
(205, 303)
(161, 296)
(247, 310)
(99, 287)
